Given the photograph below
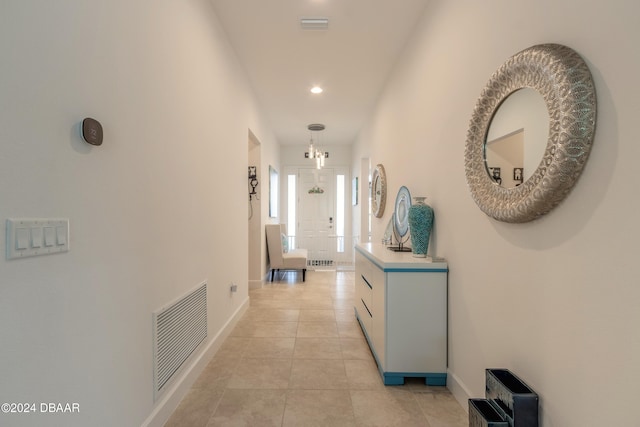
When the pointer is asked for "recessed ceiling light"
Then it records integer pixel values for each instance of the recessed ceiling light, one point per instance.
(316, 89)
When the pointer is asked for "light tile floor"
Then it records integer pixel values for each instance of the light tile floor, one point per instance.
(299, 358)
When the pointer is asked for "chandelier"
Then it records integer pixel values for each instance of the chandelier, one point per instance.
(315, 149)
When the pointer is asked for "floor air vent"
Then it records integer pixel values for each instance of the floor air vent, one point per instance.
(178, 329)
(320, 263)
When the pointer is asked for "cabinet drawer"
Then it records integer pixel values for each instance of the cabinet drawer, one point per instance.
(363, 266)
(364, 315)
(365, 291)
(363, 287)
(379, 312)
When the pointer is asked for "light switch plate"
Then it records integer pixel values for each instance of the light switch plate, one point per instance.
(27, 237)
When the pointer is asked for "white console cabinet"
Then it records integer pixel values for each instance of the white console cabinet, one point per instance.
(401, 304)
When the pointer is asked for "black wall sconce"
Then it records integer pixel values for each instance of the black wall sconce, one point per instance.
(253, 183)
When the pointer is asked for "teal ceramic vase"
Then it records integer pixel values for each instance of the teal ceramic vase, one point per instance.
(420, 225)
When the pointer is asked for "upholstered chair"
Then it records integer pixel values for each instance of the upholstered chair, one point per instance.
(280, 256)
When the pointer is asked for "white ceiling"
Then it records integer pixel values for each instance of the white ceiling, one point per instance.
(350, 61)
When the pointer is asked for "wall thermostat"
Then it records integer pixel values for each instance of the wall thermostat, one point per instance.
(92, 131)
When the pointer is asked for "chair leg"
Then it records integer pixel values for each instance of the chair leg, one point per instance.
(272, 271)
(304, 272)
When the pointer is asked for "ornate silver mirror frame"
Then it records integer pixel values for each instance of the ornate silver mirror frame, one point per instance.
(563, 79)
(378, 191)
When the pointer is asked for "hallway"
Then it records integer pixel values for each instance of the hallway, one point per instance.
(298, 358)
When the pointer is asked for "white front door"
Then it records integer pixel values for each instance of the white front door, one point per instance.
(316, 213)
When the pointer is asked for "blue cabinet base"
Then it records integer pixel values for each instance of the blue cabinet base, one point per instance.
(397, 378)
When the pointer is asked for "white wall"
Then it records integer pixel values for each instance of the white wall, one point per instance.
(153, 212)
(555, 300)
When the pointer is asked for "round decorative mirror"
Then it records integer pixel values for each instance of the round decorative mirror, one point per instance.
(564, 81)
(378, 191)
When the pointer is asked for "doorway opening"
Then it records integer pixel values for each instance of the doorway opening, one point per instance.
(316, 216)
(255, 214)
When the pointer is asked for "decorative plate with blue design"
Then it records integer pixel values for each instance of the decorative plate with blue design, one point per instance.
(401, 217)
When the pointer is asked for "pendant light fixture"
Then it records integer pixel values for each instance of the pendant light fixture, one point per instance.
(315, 151)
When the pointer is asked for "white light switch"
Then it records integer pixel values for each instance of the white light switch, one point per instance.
(49, 236)
(36, 236)
(61, 235)
(22, 238)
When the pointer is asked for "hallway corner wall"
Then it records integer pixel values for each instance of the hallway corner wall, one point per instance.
(552, 299)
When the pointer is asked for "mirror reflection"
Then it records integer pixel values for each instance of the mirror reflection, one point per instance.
(517, 138)
(377, 189)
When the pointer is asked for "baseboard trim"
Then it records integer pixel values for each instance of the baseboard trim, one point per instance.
(459, 390)
(173, 396)
(255, 284)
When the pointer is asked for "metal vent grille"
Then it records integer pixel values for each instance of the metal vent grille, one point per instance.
(319, 263)
(314, 24)
(178, 330)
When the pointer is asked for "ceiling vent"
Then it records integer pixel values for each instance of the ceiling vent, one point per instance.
(314, 23)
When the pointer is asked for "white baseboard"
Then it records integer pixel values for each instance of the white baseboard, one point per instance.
(459, 390)
(172, 397)
(258, 284)
(255, 284)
